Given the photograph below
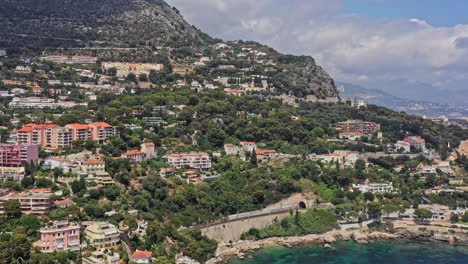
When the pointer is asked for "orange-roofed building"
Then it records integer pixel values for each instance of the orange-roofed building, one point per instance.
(143, 257)
(41, 190)
(80, 132)
(38, 90)
(63, 203)
(351, 135)
(52, 136)
(135, 156)
(417, 142)
(93, 167)
(265, 154)
(101, 131)
(248, 146)
(99, 156)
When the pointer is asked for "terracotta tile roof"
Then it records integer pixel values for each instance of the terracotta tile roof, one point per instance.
(43, 126)
(333, 155)
(63, 202)
(148, 144)
(101, 124)
(351, 133)
(142, 254)
(41, 190)
(261, 152)
(26, 129)
(78, 126)
(414, 140)
(133, 152)
(90, 162)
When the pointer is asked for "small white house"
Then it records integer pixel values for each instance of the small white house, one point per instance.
(405, 146)
(351, 135)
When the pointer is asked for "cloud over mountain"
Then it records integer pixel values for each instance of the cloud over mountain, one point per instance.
(351, 47)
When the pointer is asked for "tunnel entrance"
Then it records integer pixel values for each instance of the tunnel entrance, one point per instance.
(302, 205)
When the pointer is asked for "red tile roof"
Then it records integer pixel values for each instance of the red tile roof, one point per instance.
(43, 126)
(142, 254)
(414, 140)
(351, 133)
(133, 152)
(41, 190)
(26, 129)
(261, 152)
(63, 202)
(89, 162)
(101, 124)
(78, 126)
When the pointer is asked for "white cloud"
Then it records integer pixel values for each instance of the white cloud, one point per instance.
(352, 48)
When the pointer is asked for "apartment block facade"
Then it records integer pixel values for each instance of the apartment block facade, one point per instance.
(103, 235)
(195, 160)
(62, 235)
(31, 202)
(51, 136)
(13, 159)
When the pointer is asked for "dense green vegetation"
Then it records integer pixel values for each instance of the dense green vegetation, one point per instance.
(314, 221)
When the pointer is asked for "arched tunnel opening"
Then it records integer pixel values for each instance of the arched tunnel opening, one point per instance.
(302, 205)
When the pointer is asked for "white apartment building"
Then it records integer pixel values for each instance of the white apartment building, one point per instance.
(374, 187)
(196, 160)
(39, 102)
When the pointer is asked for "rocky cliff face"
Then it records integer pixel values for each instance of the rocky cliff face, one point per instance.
(115, 23)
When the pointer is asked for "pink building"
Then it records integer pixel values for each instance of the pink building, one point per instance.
(101, 131)
(13, 159)
(79, 131)
(53, 136)
(16, 155)
(62, 235)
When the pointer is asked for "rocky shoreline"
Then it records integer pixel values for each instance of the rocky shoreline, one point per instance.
(361, 236)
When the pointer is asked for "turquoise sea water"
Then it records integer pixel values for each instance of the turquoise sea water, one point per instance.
(348, 252)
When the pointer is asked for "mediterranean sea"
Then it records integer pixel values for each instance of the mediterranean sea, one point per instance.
(349, 252)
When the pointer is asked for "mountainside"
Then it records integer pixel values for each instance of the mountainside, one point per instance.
(128, 23)
(145, 24)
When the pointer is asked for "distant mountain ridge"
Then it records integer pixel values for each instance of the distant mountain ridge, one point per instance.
(382, 98)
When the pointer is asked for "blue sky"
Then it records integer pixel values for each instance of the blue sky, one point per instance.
(435, 12)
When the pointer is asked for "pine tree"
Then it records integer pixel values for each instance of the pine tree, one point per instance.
(253, 157)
